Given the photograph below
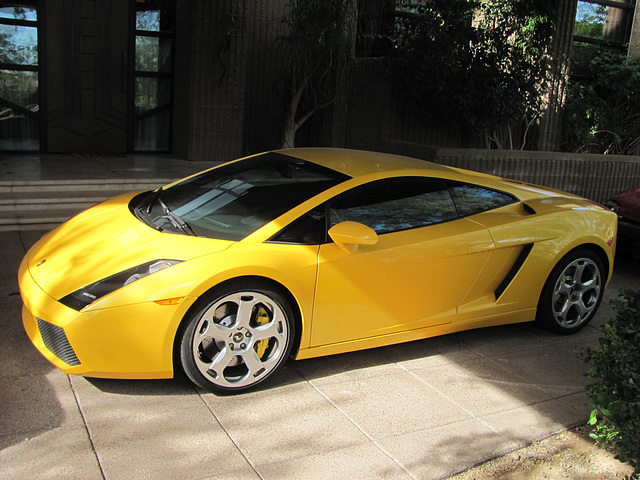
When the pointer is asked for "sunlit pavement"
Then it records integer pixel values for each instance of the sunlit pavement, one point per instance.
(421, 410)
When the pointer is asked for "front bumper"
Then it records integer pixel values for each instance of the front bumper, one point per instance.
(130, 341)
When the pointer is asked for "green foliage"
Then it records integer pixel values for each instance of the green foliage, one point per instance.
(615, 392)
(603, 113)
(482, 65)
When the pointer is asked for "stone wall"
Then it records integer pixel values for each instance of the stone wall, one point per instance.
(596, 177)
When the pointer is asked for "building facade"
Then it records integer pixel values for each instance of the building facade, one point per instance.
(201, 79)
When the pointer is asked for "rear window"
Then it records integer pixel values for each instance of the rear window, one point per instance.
(471, 199)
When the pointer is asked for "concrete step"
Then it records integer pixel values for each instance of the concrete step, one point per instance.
(75, 186)
(42, 205)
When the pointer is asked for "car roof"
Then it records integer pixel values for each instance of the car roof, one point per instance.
(357, 163)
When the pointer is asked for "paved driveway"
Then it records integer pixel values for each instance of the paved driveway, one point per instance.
(421, 410)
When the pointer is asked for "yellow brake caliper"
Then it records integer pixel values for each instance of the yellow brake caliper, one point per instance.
(262, 318)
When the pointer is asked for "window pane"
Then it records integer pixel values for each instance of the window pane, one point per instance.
(391, 206)
(590, 19)
(152, 93)
(601, 22)
(152, 133)
(18, 132)
(154, 16)
(26, 11)
(18, 45)
(153, 54)
(148, 20)
(472, 199)
(20, 88)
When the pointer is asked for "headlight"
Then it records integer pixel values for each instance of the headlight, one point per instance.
(90, 293)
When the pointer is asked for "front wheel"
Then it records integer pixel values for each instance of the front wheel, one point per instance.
(237, 339)
(572, 293)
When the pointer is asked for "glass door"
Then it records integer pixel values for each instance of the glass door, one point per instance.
(153, 75)
(19, 82)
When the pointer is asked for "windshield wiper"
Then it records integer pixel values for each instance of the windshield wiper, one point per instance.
(175, 220)
(152, 200)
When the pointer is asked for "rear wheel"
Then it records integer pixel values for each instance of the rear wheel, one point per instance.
(241, 336)
(573, 292)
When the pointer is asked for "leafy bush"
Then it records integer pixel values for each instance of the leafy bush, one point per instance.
(615, 393)
(477, 64)
(603, 113)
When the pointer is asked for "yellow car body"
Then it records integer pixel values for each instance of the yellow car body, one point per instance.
(347, 294)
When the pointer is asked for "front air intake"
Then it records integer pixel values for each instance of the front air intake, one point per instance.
(55, 340)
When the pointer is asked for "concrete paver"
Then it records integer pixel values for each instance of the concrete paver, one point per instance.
(64, 452)
(361, 461)
(440, 452)
(421, 410)
(483, 387)
(182, 443)
(393, 405)
(527, 424)
(285, 423)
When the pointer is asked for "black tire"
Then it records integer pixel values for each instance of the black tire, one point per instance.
(573, 292)
(224, 352)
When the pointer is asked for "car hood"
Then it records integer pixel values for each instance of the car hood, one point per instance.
(102, 241)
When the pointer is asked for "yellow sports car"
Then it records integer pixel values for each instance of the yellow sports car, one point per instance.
(304, 253)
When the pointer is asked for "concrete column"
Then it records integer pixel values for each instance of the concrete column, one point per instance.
(551, 122)
(634, 40)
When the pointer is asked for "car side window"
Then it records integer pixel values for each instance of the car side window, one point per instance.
(309, 229)
(471, 199)
(396, 204)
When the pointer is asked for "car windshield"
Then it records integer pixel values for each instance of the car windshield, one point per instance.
(234, 200)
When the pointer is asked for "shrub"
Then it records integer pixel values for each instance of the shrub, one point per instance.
(615, 392)
(482, 65)
(602, 112)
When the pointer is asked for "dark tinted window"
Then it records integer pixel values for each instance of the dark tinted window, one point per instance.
(234, 200)
(310, 229)
(471, 199)
(394, 205)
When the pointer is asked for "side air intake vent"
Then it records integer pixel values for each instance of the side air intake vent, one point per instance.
(528, 209)
(55, 340)
(515, 268)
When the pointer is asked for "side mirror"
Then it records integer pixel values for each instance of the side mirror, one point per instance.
(350, 235)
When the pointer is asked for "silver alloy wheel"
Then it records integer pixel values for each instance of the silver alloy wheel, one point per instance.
(576, 292)
(240, 339)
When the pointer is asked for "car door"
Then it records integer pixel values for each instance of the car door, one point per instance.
(425, 260)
